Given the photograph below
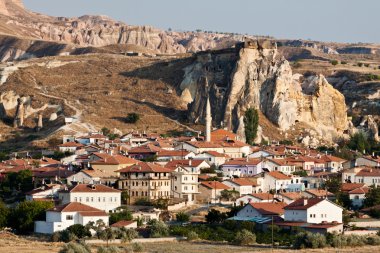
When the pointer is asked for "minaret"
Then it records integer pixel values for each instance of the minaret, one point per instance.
(208, 120)
(39, 124)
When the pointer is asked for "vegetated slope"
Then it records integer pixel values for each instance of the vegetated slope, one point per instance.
(100, 90)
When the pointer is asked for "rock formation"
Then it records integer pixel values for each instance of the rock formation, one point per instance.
(19, 116)
(39, 123)
(253, 74)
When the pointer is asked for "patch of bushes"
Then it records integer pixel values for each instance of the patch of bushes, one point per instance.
(132, 118)
(192, 236)
(158, 229)
(110, 249)
(309, 240)
(137, 247)
(244, 237)
(73, 247)
(182, 217)
(334, 62)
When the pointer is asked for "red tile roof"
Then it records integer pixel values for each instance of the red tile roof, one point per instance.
(78, 207)
(179, 153)
(222, 135)
(369, 173)
(216, 154)
(278, 175)
(115, 160)
(291, 195)
(331, 158)
(303, 204)
(319, 192)
(145, 167)
(123, 223)
(361, 190)
(242, 182)
(266, 208)
(202, 144)
(71, 144)
(146, 149)
(244, 162)
(263, 196)
(215, 185)
(91, 188)
(184, 163)
(346, 187)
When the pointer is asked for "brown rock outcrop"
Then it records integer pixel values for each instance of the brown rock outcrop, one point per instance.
(254, 75)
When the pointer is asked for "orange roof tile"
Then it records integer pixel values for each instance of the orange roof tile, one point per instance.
(91, 188)
(269, 208)
(215, 185)
(278, 175)
(144, 167)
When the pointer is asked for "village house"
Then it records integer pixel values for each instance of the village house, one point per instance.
(145, 181)
(241, 185)
(109, 164)
(71, 147)
(148, 151)
(262, 209)
(242, 167)
(168, 155)
(365, 161)
(289, 197)
(275, 181)
(213, 158)
(61, 217)
(45, 192)
(270, 154)
(125, 224)
(95, 195)
(282, 165)
(318, 193)
(210, 191)
(185, 181)
(357, 196)
(366, 175)
(92, 138)
(91, 176)
(333, 163)
(314, 210)
(254, 198)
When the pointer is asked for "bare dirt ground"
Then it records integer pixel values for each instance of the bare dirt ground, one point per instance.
(14, 244)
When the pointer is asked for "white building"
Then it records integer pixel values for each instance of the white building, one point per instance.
(61, 217)
(365, 175)
(357, 196)
(260, 210)
(242, 185)
(213, 158)
(315, 210)
(70, 147)
(97, 196)
(43, 192)
(185, 182)
(281, 165)
(254, 198)
(276, 181)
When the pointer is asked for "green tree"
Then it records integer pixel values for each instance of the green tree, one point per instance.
(251, 122)
(244, 237)
(127, 235)
(229, 195)
(124, 197)
(359, 141)
(132, 118)
(24, 215)
(158, 229)
(333, 185)
(372, 197)
(215, 216)
(182, 217)
(107, 235)
(79, 231)
(121, 213)
(4, 215)
(105, 131)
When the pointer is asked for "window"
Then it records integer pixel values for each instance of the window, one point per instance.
(98, 199)
(69, 217)
(92, 199)
(75, 199)
(87, 199)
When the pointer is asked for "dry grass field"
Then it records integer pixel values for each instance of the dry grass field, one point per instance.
(14, 244)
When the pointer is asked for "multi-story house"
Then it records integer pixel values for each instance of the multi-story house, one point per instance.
(275, 181)
(95, 195)
(314, 210)
(365, 175)
(148, 181)
(241, 185)
(185, 182)
(282, 165)
(242, 167)
(61, 217)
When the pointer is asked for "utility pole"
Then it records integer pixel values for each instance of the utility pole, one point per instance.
(272, 234)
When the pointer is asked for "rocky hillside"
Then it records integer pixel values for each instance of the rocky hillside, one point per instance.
(253, 74)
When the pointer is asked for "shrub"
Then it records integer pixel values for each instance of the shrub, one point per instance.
(79, 231)
(373, 240)
(215, 216)
(309, 240)
(192, 236)
(244, 237)
(110, 249)
(73, 247)
(132, 118)
(182, 217)
(343, 62)
(334, 62)
(127, 235)
(137, 247)
(107, 235)
(360, 64)
(121, 214)
(158, 229)
(67, 236)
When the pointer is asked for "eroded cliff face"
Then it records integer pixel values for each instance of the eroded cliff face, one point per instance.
(253, 74)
